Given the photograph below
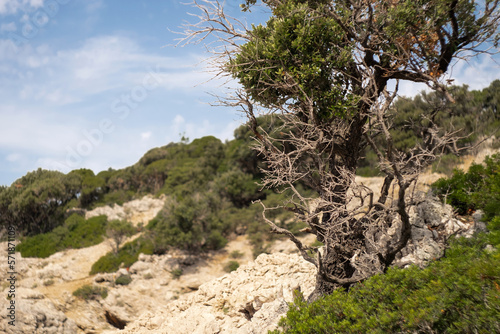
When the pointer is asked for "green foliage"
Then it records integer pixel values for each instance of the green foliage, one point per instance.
(126, 256)
(116, 197)
(118, 230)
(75, 233)
(236, 254)
(36, 202)
(92, 187)
(194, 223)
(176, 273)
(192, 166)
(215, 240)
(239, 187)
(91, 292)
(479, 188)
(494, 228)
(458, 294)
(48, 282)
(289, 46)
(123, 280)
(446, 164)
(231, 266)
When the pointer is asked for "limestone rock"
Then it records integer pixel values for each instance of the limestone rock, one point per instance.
(136, 211)
(35, 314)
(249, 300)
(432, 223)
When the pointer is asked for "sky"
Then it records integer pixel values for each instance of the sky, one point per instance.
(97, 83)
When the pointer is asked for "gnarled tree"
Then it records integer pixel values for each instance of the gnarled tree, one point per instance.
(326, 69)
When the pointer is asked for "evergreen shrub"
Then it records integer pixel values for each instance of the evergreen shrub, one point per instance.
(458, 294)
(89, 292)
(127, 255)
(75, 233)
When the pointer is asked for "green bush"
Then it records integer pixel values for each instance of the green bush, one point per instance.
(458, 294)
(176, 273)
(196, 223)
(91, 292)
(236, 254)
(215, 240)
(75, 233)
(48, 282)
(127, 255)
(231, 266)
(479, 188)
(123, 280)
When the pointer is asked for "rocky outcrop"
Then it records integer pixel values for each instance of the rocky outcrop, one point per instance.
(432, 224)
(136, 211)
(35, 314)
(253, 298)
(249, 300)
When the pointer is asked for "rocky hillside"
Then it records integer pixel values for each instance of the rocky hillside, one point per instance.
(201, 297)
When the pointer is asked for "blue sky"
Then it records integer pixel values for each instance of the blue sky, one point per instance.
(96, 83)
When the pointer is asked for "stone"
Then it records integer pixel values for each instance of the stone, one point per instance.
(139, 266)
(478, 215)
(145, 258)
(248, 300)
(33, 314)
(102, 277)
(139, 211)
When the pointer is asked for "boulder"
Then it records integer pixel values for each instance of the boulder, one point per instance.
(35, 314)
(249, 300)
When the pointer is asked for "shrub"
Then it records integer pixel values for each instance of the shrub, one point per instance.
(215, 240)
(75, 233)
(236, 254)
(231, 266)
(123, 280)
(446, 164)
(457, 294)
(195, 223)
(48, 282)
(176, 273)
(89, 292)
(127, 255)
(119, 230)
(478, 188)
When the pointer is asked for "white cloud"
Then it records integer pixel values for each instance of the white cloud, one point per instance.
(36, 131)
(13, 6)
(13, 157)
(146, 135)
(99, 65)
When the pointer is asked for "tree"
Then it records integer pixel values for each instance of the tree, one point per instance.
(92, 187)
(36, 202)
(118, 231)
(329, 70)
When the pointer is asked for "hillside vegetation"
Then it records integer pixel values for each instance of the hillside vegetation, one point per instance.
(210, 185)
